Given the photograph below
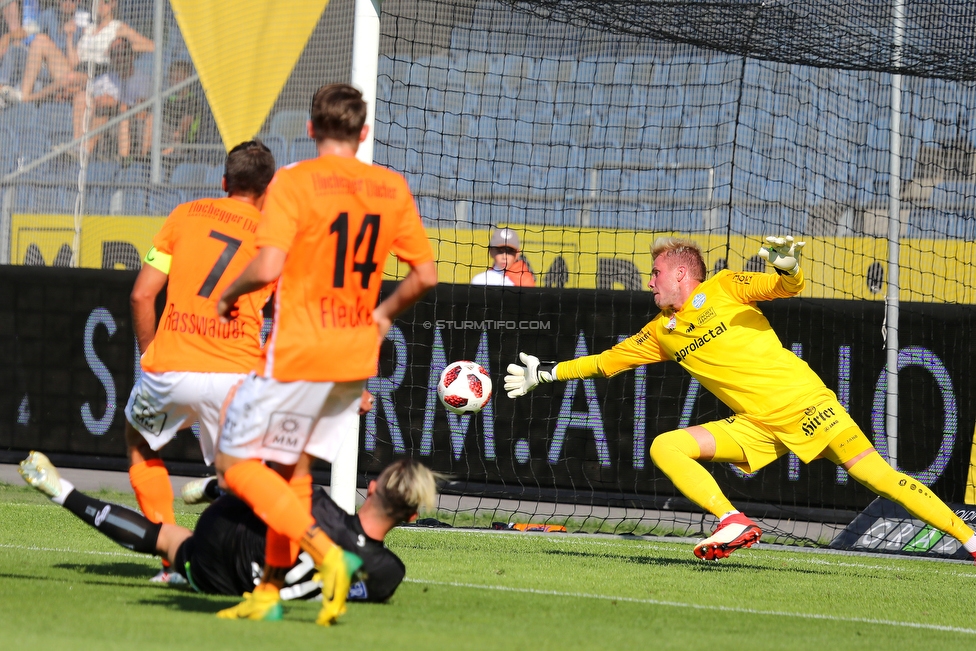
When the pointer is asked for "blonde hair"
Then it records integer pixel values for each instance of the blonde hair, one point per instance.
(685, 251)
(406, 486)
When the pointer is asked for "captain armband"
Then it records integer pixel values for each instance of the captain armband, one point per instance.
(158, 260)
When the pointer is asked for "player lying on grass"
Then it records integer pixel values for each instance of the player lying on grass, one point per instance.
(224, 553)
(714, 330)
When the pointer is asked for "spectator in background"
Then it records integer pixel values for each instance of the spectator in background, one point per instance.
(10, 11)
(55, 20)
(181, 112)
(14, 39)
(69, 69)
(115, 92)
(510, 269)
(54, 23)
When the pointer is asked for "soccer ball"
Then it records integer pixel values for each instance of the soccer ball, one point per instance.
(464, 387)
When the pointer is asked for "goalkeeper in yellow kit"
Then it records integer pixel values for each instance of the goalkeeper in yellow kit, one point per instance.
(715, 331)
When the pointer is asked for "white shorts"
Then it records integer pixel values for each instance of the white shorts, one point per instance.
(105, 86)
(162, 403)
(277, 421)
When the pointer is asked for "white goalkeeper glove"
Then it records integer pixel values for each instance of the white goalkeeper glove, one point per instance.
(783, 253)
(522, 379)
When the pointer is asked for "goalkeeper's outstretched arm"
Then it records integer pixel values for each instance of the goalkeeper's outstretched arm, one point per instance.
(522, 379)
(637, 350)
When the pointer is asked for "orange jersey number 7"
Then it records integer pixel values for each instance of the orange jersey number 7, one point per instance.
(206, 289)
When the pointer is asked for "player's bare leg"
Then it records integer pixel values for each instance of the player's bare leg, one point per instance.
(677, 454)
(154, 492)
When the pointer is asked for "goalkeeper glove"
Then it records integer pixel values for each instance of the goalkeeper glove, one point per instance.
(783, 253)
(522, 379)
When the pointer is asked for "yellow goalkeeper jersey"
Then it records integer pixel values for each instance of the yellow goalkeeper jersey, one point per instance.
(722, 339)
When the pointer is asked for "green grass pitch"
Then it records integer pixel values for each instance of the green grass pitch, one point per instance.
(63, 587)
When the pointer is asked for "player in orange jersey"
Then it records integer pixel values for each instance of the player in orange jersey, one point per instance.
(328, 226)
(192, 360)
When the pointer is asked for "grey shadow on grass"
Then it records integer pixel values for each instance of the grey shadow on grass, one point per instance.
(736, 565)
(88, 579)
(190, 601)
(127, 570)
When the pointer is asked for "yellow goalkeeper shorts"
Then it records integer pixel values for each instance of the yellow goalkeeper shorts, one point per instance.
(805, 428)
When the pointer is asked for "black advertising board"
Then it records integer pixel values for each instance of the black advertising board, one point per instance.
(69, 358)
(887, 527)
(68, 362)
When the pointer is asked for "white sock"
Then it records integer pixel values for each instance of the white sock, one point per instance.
(725, 515)
(66, 488)
(971, 545)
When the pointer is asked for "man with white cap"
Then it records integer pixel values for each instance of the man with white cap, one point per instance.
(509, 269)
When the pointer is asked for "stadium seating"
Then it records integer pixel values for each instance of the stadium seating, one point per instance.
(131, 198)
(100, 186)
(302, 149)
(9, 150)
(55, 118)
(184, 174)
(215, 175)
(279, 148)
(505, 114)
(289, 124)
(18, 116)
(161, 201)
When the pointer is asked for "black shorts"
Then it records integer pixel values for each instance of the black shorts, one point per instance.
(182, 561)
(220, 556)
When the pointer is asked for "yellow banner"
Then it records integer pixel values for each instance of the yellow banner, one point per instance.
(937, 270)
(844, 268)
(244, 52)
(105, 242)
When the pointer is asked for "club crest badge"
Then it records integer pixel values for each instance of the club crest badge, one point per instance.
(673, 323)
(698, 300)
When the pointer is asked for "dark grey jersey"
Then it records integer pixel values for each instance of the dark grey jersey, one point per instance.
(225, 554)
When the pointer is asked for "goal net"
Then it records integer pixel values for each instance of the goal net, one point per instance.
(590, 128)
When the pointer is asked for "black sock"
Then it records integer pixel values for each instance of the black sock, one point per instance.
(123, 525)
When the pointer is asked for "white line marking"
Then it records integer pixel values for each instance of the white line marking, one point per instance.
(931, 565)
(583, 595)
(74, 551)
(678, 604)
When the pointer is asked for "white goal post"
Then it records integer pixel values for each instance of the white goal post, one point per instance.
(365, 66)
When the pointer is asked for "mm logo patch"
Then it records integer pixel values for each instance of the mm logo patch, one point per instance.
(288, 432)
